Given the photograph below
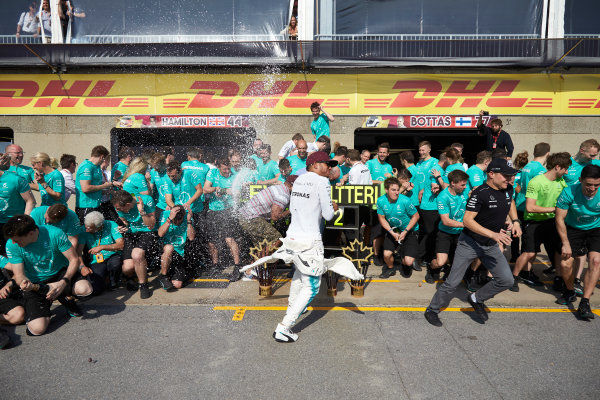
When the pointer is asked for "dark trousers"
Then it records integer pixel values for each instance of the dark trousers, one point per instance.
(428, 228)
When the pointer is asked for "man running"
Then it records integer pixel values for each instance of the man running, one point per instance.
(485, 219)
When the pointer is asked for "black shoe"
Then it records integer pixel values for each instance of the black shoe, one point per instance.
(165, 282)
(433, 318)
(387, 272)
(4, 339)
(559, 284)
(515, 286)
(530, 279)
(376, 261)
(472, 284)
(72, 307)
(584, 311)
(235, 275)
(549, 270)
(567, 298)
(416, 266)
(578, 287)
(479, 308)
(145, 292)
(429, 277)
(132, 285)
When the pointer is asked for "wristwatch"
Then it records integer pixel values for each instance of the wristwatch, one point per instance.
(516, 220)
(67, 280)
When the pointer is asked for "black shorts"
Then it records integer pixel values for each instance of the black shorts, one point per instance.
(409, 248)
(537, 232)
(446, 242)
(200, 226)
(36, 305)
(583, 241)
(147, 241)
(222, 224)
(82, 212)
(8, 304)
(2, 241)
(178, 270)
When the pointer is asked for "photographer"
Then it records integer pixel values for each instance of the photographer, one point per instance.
(496, 138)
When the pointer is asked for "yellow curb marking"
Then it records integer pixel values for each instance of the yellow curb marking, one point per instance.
(239, 314)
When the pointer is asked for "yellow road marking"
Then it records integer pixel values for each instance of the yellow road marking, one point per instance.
(239, 314)
(239, 309)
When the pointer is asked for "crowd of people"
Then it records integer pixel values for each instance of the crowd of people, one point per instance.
(195, 218)
(37, 21)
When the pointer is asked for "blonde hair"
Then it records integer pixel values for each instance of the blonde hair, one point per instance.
(43, 158)
(137, 166)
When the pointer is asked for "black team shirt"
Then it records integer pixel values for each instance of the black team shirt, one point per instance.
(492, 207)
(502, 141)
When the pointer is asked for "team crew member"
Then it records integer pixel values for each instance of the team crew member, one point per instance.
(320, 125)
(102, 262)
(16, 165)
(430, 217)
(176, 229)
(134, 179)
(407, 187)
(359, 173)
(452, 203)
(408, 162)
(454, 164)
(267, 169)
(44, 256)
(496, 138)
(399, 219)
(141, 240)
(486, 215)
(339, 174)
(290, 146)
(120, 168)
(11, 308)
(68, 165)
(542, 193)
(89, 183)
(379, 168)
(578, 225)
(285, 170)
(310, 203)
(51, 183)
(158, 182)
(223, 225)
(15, 196)
(61, 217)
(298, 161)
(477, 174)
(588, 151)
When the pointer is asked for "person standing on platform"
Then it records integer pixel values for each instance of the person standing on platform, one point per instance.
(320, 125)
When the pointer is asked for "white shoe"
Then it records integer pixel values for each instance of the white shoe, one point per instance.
(248, 278)
(284, 335)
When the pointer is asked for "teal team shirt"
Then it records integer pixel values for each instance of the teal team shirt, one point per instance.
(574, 172)
(344, 170)
(320, 126)
(12, 186)
(121, 168)
(195, 172)
(136, 222)
(398, 213)
(424, 168)
(176, 235)
(428, 201)
(56, 181)
(43, 258)
(23, 171)
(136, 184)
(477, 177)
(88, 171)
(378, 170)
(454, 206)
(582, 212)
(296, 163)
(529, 171)
(69, 225)
(219, 181)
(109, 234)
(450, 168)
(267, 171)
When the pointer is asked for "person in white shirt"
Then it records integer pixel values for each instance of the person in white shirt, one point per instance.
(28, 22)
(290, 146)
(68, 164)
(359, 173)
(310, 202)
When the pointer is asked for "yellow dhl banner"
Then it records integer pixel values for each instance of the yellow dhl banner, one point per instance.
(291, 94)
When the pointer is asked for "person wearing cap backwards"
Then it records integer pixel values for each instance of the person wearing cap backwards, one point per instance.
(268, 205)
(310, 201)
(490, 216)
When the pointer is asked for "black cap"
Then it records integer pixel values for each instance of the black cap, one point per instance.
(501, 165)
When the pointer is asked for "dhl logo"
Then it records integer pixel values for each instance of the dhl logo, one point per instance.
(351, 94)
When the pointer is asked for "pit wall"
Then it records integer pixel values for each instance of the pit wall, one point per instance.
(77, 135)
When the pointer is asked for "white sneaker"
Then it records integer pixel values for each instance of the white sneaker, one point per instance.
(248, 278)
(284, 335)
